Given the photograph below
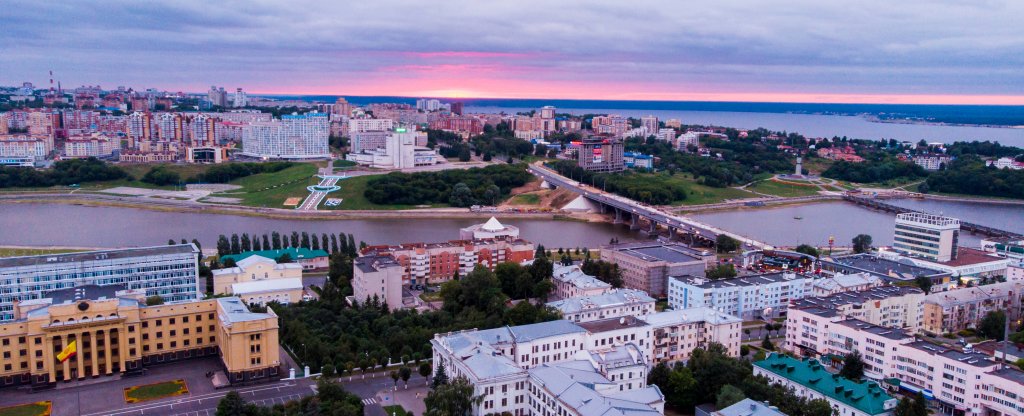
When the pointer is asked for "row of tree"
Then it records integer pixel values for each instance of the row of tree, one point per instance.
(64, 172)
(657, 189)
(331, 243)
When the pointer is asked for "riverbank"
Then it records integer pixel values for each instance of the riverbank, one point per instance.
(98, 200)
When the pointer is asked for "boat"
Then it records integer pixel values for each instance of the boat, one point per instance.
(798, 217)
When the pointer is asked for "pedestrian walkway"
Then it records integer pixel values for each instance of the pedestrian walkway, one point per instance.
(370, 401)
(319, 191)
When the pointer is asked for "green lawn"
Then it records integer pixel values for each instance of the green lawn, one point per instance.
(351, 193)
(395, 410)
(776, 188)
(525, 199)
(272, 189)
(29, 409)
(155, 391)
(698, 194)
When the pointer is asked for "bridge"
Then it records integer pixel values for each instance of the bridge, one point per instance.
(972, 227)
(638, 214)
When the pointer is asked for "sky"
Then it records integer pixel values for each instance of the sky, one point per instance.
(868, 51)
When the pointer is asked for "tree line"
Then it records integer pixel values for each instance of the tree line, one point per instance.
(331, 243)
(64, 172)
(457, 187)
(161, 175)
(648, 188)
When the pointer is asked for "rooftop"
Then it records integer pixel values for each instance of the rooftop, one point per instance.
(847, 280)
(293, 252)
(235, 310)
(748, 407)
(866, 397)
(617, 297)
(761, 279)
(575, 384)
(267, 285)
(85, 292)
(689, 315)
(100, 255)
(970, 256)
(373, 263)
(574, 276)
(928, 219)
(864, 262)
(856, 297)
(974, 294)
(895, 334)
(241, 265)
(1010, 374)
(612, 324)
(671, 253)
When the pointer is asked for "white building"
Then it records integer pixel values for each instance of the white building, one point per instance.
(23, 147)
(963, 382)
(370, 124)
(650, 123)
(685, 140)
(676, 333)
(930, 236)
(612, 304)
(888, 306)
(571, 282)
(750, 297)
(293, 137)
(400, 151)
(260, 280)
(549, 368)
(377, 277)
(1005, 163)
(240, 99)
(667, 135)
(488, 230)
(96, 145)
(933, 161)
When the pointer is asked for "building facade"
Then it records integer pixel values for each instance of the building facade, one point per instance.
(171, 272)
(750, 297)
(809, 379)
(571, 282)
(438, 262)
(955, 310)
(258, 280)
(647, 266)
(930, 236)
(602, 154)
(615, 303)
(888, 306)
(116, 333)
(292, 137)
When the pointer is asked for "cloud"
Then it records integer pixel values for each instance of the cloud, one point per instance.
(706, 46)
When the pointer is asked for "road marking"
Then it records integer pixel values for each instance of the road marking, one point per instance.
(369, 401)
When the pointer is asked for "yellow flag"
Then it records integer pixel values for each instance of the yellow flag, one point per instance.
(68, 352)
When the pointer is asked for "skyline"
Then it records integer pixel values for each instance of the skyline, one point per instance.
(918, 52)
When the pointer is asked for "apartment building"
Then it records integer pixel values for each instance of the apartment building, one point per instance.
(887, 266)
(676, 333)
(292, 137)
(752, 297)
(956, 310)
(889, 306)
(96, 145)
(356, 125)
(615, 303)
(602, 154)
(647, 265)
(571, 282)
(809, 379)
(19, 146)
(171, 272)
(117, 334)
(532, 369)
(438, 262)
(377, 277)
(963, 382)
(259, 280)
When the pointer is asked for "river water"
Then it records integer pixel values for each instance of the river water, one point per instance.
(75, 225)
(85, 226)
(813, 125)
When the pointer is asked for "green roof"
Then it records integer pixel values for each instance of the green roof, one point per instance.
(294, 253)
(867, 397)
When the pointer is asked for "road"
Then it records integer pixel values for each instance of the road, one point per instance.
(637, 208)
(315, 197)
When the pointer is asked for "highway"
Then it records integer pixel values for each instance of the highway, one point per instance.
(636, 208)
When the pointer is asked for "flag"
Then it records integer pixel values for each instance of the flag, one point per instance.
(68, 352)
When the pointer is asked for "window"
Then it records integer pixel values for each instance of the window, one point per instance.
(184, 320)
(172, 321)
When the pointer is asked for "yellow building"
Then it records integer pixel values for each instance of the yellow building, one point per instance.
(115, 332)
(259, 280)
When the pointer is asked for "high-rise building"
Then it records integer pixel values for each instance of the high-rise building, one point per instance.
(140, 127)
(171, 126)
(602, 154)
(342, 107)
(240, 99)
(171, 272)
(401, 149)
(217, 96)
(930, 236)
(457, 108)
(547, 112)
(292, 137)
(650, 123)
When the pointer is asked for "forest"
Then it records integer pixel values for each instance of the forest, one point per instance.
(457, 187)
(64, 172)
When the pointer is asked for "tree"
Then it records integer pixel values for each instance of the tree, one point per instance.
(275, 239)
(462, 196)
(266, 242)
(918, 406)
(853, 366)
(246, 243)
(394, 376)
(680, 389)
(231, 405)
(807, 249)
(726, 244)
(767, 343)
(993, 325)
(728, 396)
(721, 271)
(305, 240)
(405, 373)
(328, 370)
(198, 246)
(924, 283)
(223, 246)
(236, 246)
(452, 399)
(861, 243)
(334, 243)
(440, 378)
(424, 371)
(154, 300)
(284, 258)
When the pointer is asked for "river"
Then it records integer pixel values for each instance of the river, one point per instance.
(812, 125)
(844, 220)
(85, 226)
